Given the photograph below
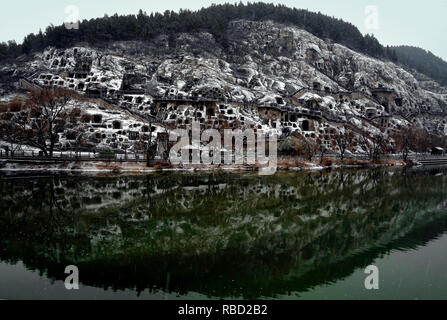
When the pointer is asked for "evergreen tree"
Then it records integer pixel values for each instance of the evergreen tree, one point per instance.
(215, 19)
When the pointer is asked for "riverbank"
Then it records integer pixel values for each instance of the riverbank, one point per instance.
(140, 167)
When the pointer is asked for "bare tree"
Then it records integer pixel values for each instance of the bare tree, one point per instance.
(421, 140)
(414, 138)
(374, 144)
(343, 140)
(365, 142)
(309, 147)
(80, 141)
(10, 134)
(404, 141)
(40, 122)
(321, 150)
(162, 141)
(378, 145)
(150, 147)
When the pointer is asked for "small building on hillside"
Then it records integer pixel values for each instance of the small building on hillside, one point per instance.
(437, 151)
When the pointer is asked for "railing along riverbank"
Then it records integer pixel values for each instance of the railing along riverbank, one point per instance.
(72, 156)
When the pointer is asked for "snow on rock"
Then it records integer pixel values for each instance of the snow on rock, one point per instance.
(256, 81)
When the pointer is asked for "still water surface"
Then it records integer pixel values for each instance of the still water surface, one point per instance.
(225, 235)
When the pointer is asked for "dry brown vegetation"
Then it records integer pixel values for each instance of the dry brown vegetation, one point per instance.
(161, 165)
(327, 162)
(292, 163)
(35, 120)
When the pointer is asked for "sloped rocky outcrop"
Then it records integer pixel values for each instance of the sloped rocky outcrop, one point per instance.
(274, 78)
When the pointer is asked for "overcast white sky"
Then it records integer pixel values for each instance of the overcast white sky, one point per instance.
(418, 23)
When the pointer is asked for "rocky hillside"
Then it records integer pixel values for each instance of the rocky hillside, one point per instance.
(268, 76)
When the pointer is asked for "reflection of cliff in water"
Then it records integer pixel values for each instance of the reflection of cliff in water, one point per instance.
(218, 234)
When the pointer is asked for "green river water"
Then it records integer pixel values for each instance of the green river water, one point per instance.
(294, 235)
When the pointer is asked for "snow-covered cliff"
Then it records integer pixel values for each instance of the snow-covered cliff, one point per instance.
(271, 76)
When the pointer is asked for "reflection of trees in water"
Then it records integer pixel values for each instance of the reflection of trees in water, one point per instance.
(33, 209)
(215, 233)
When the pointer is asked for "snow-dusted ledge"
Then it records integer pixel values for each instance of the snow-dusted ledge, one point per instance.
(112, 167)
